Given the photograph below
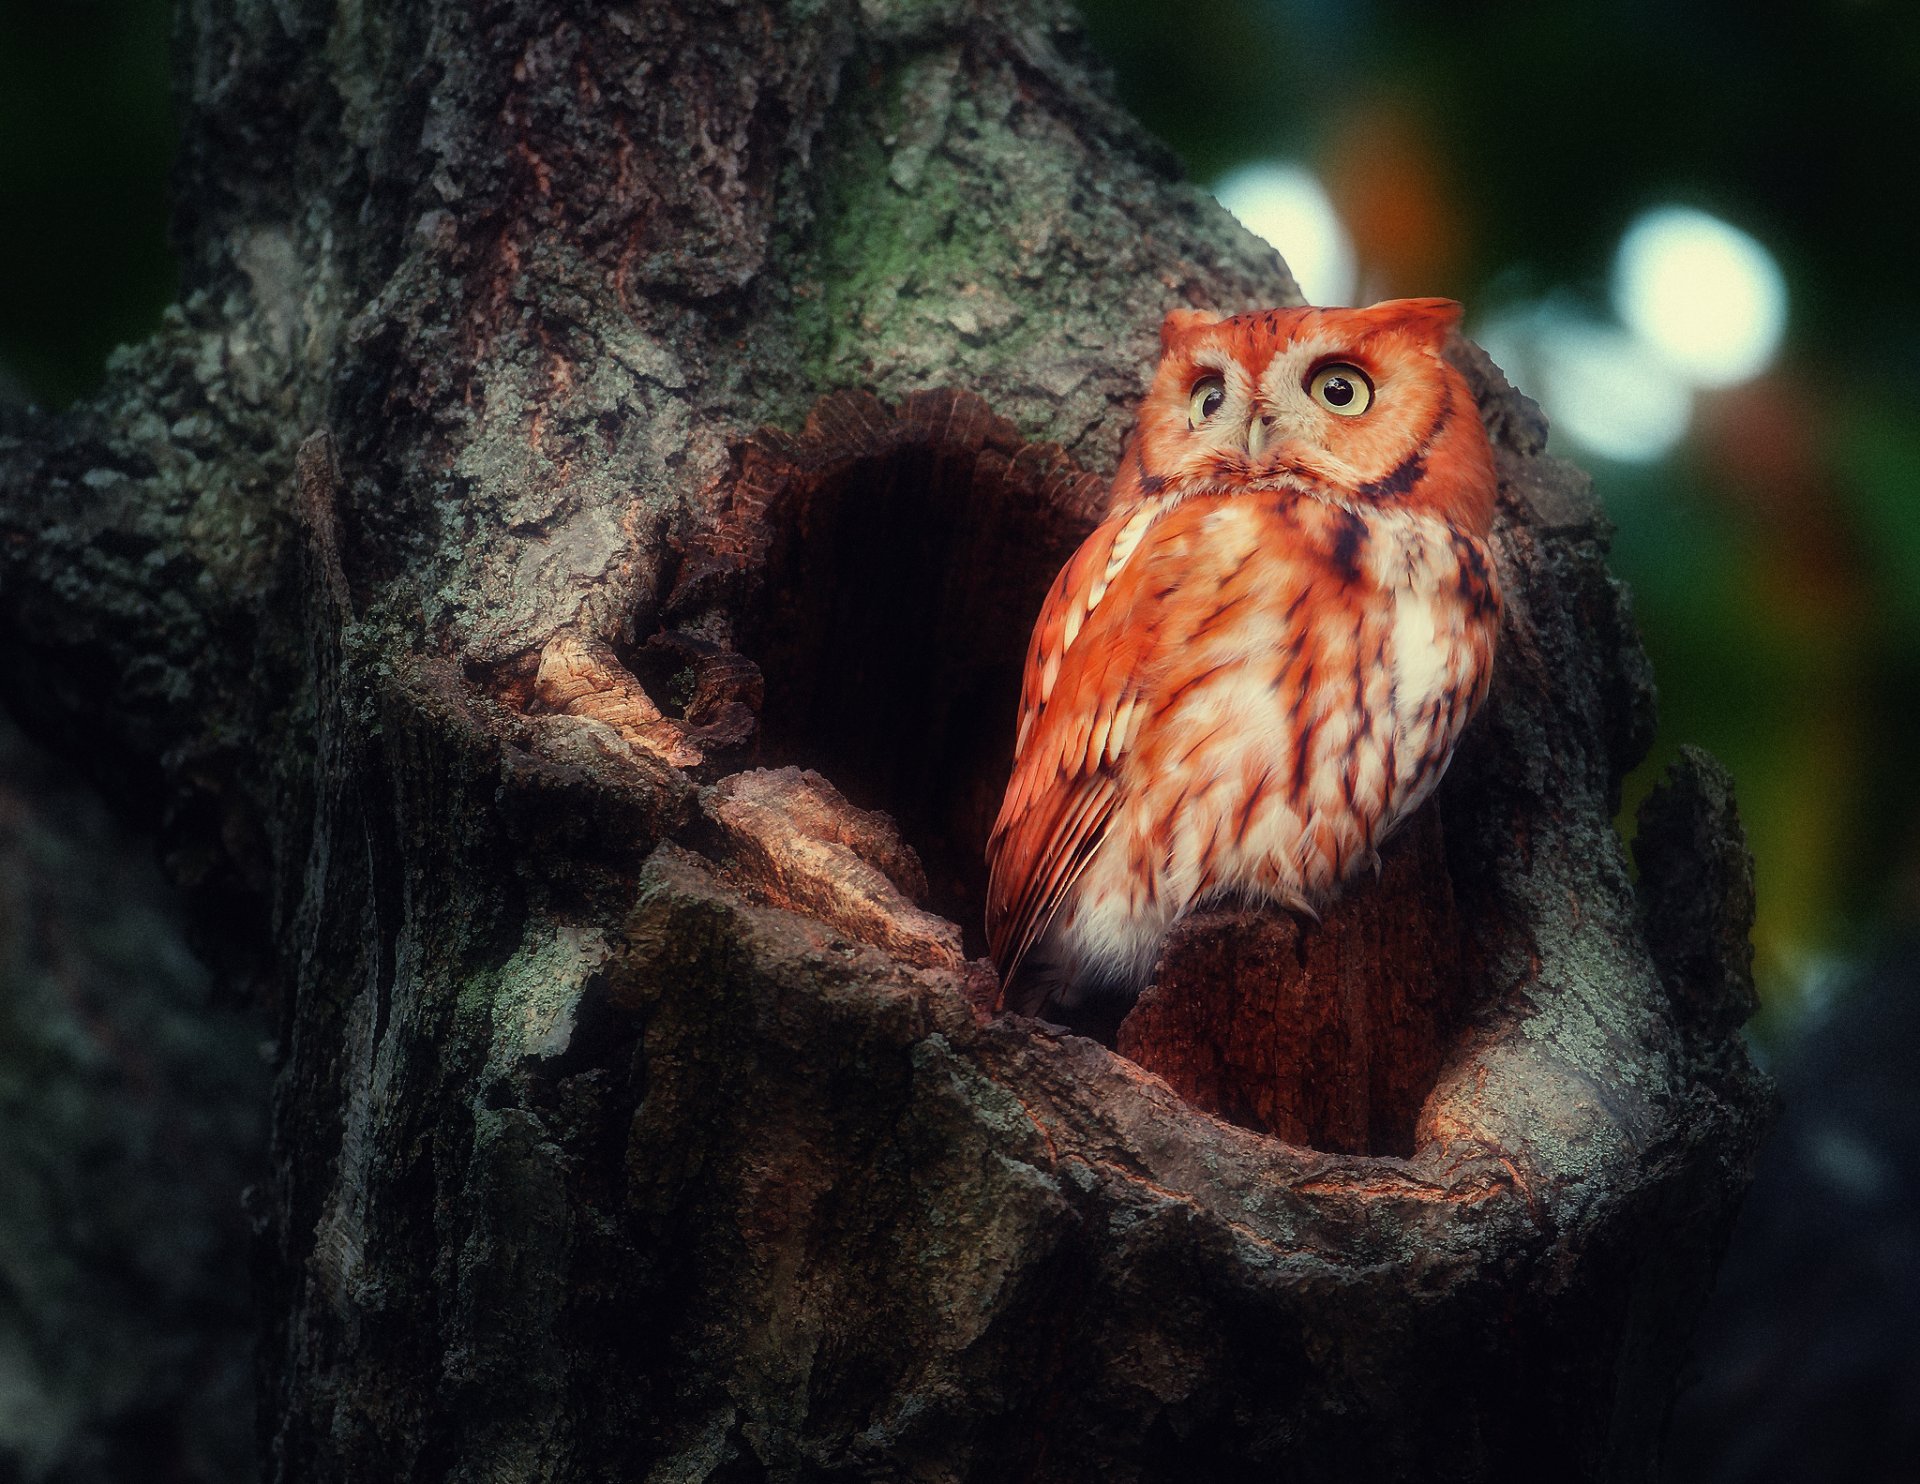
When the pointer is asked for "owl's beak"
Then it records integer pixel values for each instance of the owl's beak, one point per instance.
(1258, 432)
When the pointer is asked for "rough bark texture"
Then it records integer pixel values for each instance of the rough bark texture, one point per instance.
(577, 410)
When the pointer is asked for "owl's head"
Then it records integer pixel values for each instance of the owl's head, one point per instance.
(1358, 405)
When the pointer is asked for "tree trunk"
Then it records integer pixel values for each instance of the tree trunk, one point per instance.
(574, 413)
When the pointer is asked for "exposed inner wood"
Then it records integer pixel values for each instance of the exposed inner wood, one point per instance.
(1327, 1034)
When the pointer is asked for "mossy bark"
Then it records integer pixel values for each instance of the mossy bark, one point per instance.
(430, 577)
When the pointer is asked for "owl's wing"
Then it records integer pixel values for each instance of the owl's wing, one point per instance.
(1078, 713)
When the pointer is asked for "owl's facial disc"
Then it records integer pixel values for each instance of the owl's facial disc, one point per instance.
(1338, 387)
(1342, 404)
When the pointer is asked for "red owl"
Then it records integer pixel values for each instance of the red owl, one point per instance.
(1259, 664)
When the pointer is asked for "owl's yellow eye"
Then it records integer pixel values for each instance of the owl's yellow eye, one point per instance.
(1341, 389)
(1205, 399)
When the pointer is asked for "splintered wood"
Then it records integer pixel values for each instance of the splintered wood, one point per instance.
(581, 676)
(792, 840)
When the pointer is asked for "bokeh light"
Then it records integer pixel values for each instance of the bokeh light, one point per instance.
(1602, 387)
(1705, 294)
(1286, 204)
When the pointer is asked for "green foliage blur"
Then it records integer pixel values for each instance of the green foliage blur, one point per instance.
(86, 140)
(1493, 152)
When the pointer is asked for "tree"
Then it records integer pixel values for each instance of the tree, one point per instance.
(568, 411)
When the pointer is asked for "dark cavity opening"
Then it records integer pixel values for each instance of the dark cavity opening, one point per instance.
(887, 570)
(883, 570)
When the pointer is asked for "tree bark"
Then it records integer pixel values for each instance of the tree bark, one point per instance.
(574, 414)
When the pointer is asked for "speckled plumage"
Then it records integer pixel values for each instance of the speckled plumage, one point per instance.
(1258, 665)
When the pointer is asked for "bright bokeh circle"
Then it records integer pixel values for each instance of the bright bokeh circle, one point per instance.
(1286, 204)
(1602, 386)
(1706, 295)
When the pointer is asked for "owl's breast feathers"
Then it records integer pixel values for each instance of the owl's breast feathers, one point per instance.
(1226, 693)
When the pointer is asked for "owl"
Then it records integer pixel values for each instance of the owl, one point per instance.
(1258, 665)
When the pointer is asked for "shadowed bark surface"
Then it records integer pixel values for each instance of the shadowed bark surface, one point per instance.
(603, 458)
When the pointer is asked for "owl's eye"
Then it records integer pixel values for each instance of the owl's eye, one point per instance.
(1205, 399)
(1341, 389)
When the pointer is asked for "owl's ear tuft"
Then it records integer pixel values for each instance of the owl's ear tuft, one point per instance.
(1179, 321)
(1430, 318)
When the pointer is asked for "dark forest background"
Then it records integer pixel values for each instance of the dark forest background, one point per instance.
(1498, 154)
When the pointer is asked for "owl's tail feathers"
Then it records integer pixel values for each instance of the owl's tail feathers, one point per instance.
(1025, 993)
(1036, 983)
(1048, 988)
(1034, 858)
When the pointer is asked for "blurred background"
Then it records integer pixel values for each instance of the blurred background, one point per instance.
(86, 141)
(1688, 231)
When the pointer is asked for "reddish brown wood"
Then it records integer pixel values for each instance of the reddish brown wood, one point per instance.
(1328, 1035)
